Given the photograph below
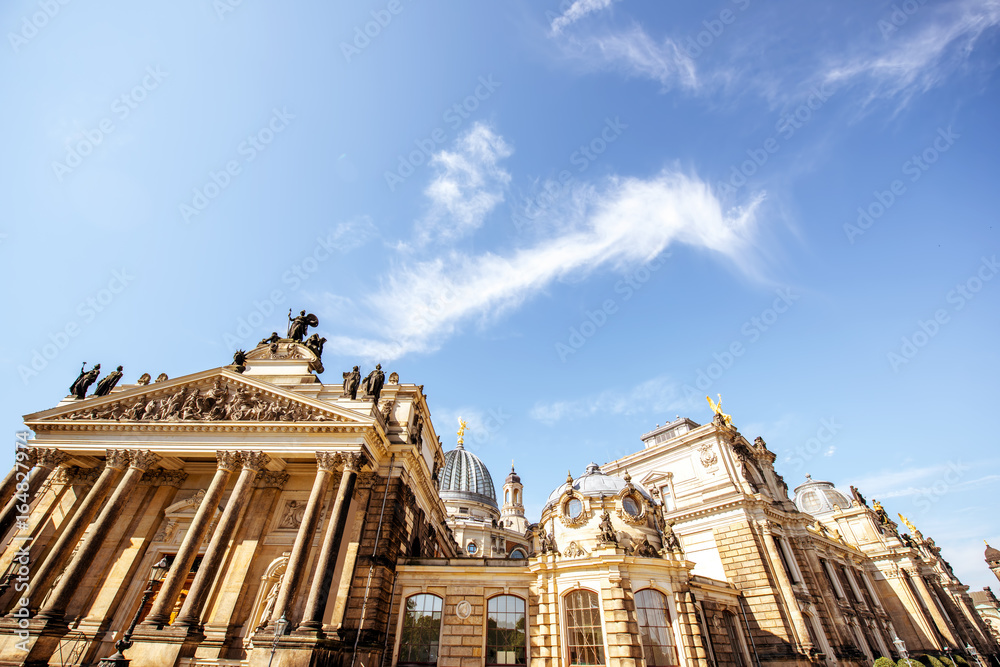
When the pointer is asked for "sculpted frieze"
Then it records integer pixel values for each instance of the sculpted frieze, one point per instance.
(219, 402)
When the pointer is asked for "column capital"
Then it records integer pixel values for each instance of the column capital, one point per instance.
(117, 459)
(142, 459)
(161, 477)
(270, 479)
(353, 461)
(254, 461)
(76, 475)
(328, 461)
(48, 458)
(229, 461)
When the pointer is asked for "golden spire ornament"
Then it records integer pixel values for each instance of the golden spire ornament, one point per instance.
(717, 409)
(462, 424)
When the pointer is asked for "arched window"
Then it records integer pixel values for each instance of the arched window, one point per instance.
(418, 644)
(574, 508)
(518, 553)
(506, 496)
(584, 638)
(517, 497)
(505, 631)
(655, 629)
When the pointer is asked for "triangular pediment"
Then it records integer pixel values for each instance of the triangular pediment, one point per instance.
(216, 396)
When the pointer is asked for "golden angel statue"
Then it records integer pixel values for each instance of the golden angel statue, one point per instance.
(462, 425)
(717, 409)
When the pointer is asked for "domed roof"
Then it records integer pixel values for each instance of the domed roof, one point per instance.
(992, 554)
(513, 477)
(816, 497)
(595, 482)
(465, 477)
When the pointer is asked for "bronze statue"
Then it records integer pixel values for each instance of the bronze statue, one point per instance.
(608, 535)
(670, 540)
(108, 383)
(372, 384)
(857, 495)
(297, 326)
(273, 338)
(351, 382)
(315, 343)
(83, 382)
(240, 360)
(644, 549)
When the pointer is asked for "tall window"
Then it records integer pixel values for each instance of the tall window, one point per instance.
(735, 638)
(655, 630)
(418, 644)
(505, 631)
(583, 628)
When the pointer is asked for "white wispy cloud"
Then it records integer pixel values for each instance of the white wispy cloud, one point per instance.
(931, 481)
(577, 11)
(628, 221)
(914, 59)
(656, 395)
(634, 53)
(468, 184)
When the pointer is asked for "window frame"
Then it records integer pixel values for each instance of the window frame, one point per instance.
(486, 631)
(565, 618)
(671, 626)
(403, 612)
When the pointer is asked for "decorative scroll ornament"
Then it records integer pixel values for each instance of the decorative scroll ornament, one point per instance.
(707, 455)
(574, 550)
(216, 403)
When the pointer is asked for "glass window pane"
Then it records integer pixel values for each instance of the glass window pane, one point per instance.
(421, 630)
(583, 625)
(506, 640)
(655, 628)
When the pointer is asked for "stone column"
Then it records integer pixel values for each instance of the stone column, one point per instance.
(190, 614)
(785, 584)
(24, 459)
(55, 607)
(692, 638)
(326, 462)
(60, 553)
(159, 614)
(937, 617)
(319, 592)
(47, 460)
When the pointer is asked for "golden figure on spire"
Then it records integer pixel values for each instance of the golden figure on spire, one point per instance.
(717, 409)
(913, 529)
(462, 424)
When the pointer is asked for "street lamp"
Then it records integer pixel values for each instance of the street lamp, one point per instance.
(901, 648)
(279, 629)
(947, 649)
(125, 643)
(974, 653)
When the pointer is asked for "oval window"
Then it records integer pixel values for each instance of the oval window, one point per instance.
(472, 548)
(630, 506)
(574, 507)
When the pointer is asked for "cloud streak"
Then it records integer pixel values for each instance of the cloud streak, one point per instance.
(656, 395)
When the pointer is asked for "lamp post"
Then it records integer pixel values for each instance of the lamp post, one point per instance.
(947, 649)
(279, 629)
(125, 643)
(974, 653)
(901, 648)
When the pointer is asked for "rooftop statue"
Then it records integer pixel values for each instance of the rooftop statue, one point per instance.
(717, 409)
(297, 326)
(351, 382)
(105, 386)
(85, 379)
(372, 384)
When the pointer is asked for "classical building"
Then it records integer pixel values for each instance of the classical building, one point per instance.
(253, 515)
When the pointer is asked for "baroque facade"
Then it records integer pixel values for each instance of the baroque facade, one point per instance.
(252, 515)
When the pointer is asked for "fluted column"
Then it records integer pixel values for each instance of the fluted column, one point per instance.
(228, 462)
(785, 584)
(194, 603)
(47, 460)
(326, 462)
(55, 606)
(116, 460)
(24, 460)
(319, 592)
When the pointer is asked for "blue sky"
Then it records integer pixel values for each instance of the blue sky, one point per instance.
(568, 222)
